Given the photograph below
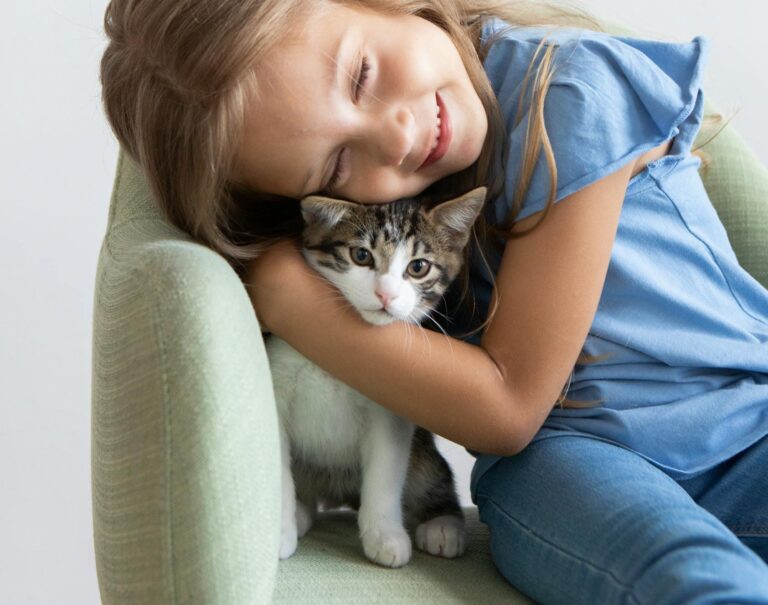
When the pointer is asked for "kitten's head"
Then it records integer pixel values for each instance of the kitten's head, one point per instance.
(391, 261)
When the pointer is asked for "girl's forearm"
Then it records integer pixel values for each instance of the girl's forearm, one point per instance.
(445, 385)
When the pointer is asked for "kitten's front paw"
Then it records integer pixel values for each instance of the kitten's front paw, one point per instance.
(442, 536)
(388, 546)
(288, 540)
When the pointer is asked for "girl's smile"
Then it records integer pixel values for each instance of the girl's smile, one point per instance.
(359, 105)
(443, 135)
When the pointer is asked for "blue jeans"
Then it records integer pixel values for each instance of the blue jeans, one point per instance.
(577, 520)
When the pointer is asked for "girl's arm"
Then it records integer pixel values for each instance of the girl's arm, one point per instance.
(493, 397)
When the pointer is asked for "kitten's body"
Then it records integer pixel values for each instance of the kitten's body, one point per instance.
(338, 447)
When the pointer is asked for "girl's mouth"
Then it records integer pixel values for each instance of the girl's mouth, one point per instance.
(444, 137)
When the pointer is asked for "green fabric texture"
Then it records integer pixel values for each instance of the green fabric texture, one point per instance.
(185, 453)
(737, 184)
(329, 568)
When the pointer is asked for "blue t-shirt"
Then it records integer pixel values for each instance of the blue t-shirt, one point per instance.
(686, 327)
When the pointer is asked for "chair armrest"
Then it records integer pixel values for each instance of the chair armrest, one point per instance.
(184, 452)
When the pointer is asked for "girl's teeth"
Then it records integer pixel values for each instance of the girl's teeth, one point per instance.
(437, 129)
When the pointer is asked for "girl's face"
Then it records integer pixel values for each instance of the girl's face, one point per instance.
(347, 105)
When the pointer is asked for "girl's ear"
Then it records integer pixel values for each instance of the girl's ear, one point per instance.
(325, 210)
(459, 214)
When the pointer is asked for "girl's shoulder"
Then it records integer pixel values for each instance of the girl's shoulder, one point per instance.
(591, 57)
(611, 98)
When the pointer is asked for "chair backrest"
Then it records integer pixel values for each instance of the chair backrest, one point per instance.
(132, 202)
(737, 184)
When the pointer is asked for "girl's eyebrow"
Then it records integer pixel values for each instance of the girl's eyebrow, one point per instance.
(333, 78)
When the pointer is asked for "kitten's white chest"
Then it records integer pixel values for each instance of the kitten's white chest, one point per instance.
(325, 419)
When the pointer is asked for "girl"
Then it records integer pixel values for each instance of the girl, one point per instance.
(610, 286)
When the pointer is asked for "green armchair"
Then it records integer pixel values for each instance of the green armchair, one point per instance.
(185, 457)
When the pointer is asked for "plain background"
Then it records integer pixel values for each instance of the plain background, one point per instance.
(57, 159)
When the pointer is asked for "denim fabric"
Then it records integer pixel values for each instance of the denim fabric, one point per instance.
(578, 520)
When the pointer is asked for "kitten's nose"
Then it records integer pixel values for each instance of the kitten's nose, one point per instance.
(384, 298)
(387, 288)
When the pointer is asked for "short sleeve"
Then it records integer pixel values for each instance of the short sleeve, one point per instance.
(610, 100)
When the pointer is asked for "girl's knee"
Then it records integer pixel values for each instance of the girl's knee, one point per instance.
(590, 524)
(671, 563)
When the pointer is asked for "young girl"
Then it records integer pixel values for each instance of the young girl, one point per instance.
(611, 291)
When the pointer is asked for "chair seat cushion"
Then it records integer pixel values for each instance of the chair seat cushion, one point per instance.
(329, 567)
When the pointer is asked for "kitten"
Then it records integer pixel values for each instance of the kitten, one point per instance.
(390, 261)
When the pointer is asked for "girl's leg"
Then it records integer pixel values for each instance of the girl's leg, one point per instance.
(576, 520)
(736, 492)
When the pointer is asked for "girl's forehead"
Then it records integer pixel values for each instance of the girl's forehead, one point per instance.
(316, 18)
(295, 87)
(289, 110)
(303, 48)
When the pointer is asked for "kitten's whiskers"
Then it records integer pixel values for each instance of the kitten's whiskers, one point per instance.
(439, 327)
(408, 336)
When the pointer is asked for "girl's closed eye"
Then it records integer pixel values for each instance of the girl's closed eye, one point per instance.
(342, 164)
(362, 77)
(343, 158)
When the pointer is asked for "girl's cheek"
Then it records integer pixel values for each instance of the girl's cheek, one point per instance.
(400, 72)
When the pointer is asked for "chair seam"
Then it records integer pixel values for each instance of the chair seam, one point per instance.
(134, 219)
(628, 588)
(168, 441)
(113, 203)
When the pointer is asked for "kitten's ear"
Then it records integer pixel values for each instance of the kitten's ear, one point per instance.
(325, 210)
(459, 214)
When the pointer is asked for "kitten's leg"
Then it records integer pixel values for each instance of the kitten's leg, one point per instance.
(431, 502)
(385, 454)
(288, 531)
(306, 510)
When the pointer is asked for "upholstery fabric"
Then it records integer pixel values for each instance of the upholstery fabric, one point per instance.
(737, 183)
(329, 568)
(185, 458)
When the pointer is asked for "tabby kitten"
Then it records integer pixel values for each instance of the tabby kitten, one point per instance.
(390, 261)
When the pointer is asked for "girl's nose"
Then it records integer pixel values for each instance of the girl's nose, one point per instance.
(392, 134)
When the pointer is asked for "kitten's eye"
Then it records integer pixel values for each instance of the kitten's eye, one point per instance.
(419, 267)
(361, 256)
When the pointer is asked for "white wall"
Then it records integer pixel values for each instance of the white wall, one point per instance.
(57, 160)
